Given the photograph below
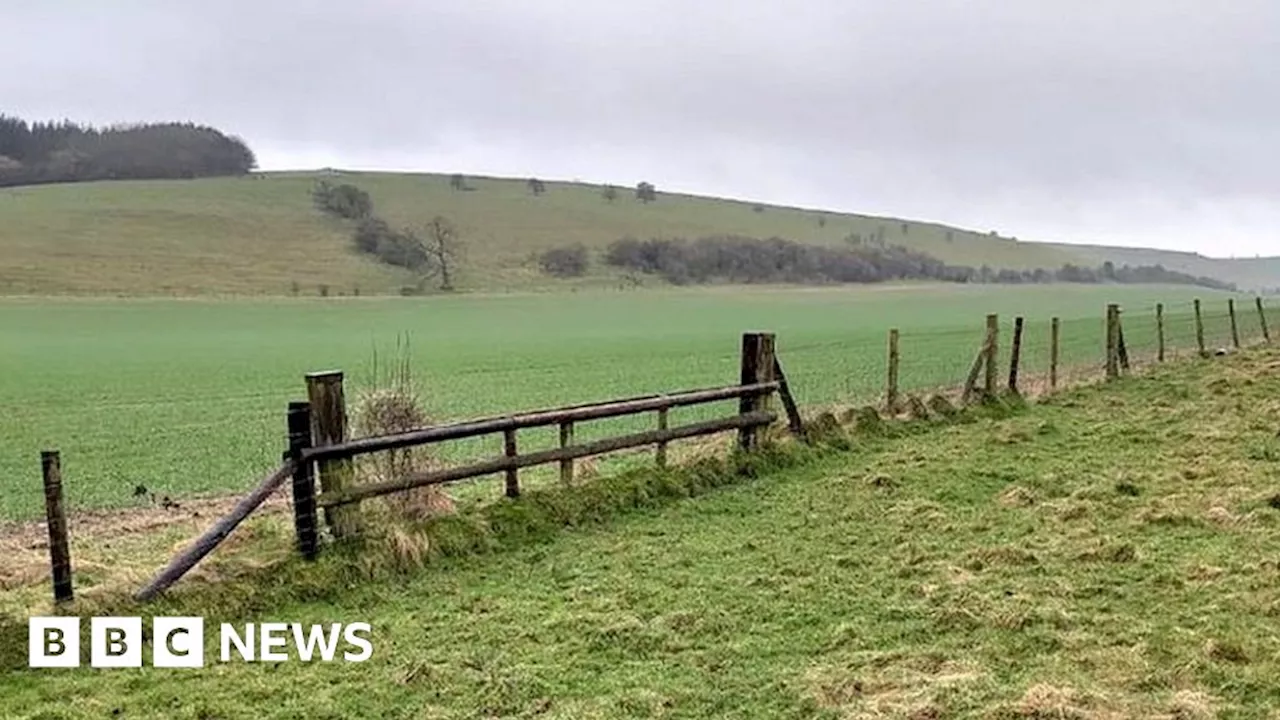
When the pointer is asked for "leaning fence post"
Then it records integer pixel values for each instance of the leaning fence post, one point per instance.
(509, 450)
(757, 367)
(1015, 354)
(56, 517)
(1200, 329)
(1122, 351)
(1262, 317)
(1054, 333)
(304, 480)
(993, 352)
(891, 394)
(329, 427)
(1159, 332)
(1235, 330)
(1113, 341)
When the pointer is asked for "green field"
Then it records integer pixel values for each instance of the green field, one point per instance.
(188, 396)
(1109, 554)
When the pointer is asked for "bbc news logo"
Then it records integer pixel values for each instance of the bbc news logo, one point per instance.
(179, 642)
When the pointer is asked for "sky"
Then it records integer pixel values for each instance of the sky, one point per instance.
(1123, 122)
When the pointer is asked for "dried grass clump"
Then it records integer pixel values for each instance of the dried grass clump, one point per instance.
(394, 406)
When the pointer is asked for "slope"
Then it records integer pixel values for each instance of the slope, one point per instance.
(260, 235)
(1250, 274)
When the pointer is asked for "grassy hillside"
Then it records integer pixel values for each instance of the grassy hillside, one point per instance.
(260, 234)
(1111, 554)
(1247, 273)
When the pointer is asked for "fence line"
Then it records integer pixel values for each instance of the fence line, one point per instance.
(319, 449)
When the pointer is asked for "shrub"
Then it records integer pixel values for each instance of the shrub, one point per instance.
(345, 201)
(565, 262)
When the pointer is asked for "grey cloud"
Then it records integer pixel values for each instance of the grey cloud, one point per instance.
(1154, 121)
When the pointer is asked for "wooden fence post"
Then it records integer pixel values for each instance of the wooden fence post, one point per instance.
(1113, 337)
(304, 480)
(329, 427)
(513, 474)
(757, 367)
(1015, 354)
(1235, 330)
(1262, 317)
(1054, 333)
(1200, 330)
(993, 352)
(1159, 332)
(661, 455)
(56, 518)
(794, 422)
(891, 395)
(1122, 351)
(566, 439)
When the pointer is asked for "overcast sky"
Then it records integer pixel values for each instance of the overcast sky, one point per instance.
(1150, 122)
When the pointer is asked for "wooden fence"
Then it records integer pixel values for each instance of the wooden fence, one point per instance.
(320, 453)
(319, 449)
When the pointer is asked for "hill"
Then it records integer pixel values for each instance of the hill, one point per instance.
(260, 234)
(1249, 273)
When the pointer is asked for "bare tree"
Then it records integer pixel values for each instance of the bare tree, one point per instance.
(444, 249)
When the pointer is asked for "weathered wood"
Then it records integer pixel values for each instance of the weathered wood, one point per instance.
(993, 353)
(205, 544)
(757, 367)
(1235, 329)
(1262, 317)
(540, 418)
(599, 447)
(329, 427)
(1159, 332)
(513, 473)
(1054, 337)
(566, 439)
(1113, 341)
(971, 382)
(56, 520)
(305, 525)
(1122, 351)
(1015, 354)
(661, 454)
(794, 422)
(1200, 330)
(891, 391)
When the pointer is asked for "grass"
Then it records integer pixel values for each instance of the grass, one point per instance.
(188, 397)
(1109, 553)
(261, 235)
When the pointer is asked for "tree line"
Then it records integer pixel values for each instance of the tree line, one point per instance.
(432, 254)
(56, 152)
(740, 259)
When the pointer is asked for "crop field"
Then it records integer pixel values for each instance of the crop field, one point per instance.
(1110, 552)
(187, 397)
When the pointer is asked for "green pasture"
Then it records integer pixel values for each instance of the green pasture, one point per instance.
(1111, 553)
(187, 396)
